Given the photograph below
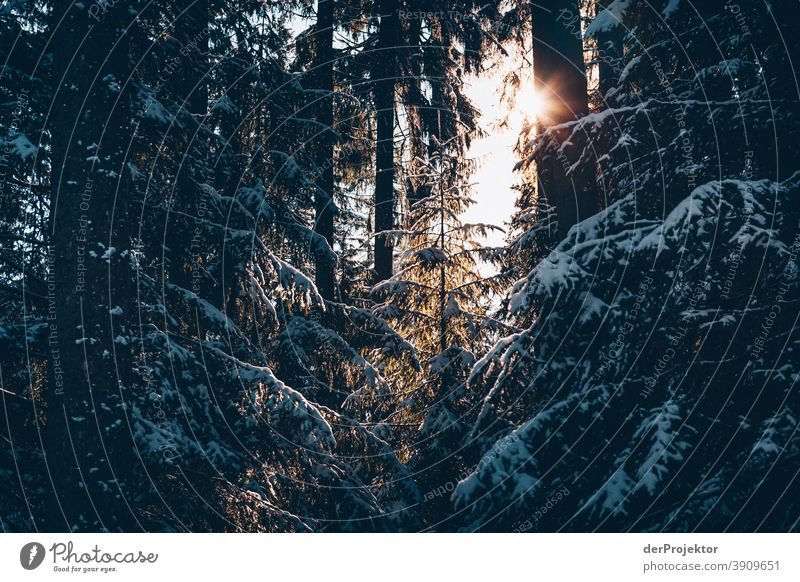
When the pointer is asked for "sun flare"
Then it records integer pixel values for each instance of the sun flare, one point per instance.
(531, 103)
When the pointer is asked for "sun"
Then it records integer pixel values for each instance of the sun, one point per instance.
(531, 103)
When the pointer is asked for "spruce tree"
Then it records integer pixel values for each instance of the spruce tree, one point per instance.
(642, 380)
(438, 301)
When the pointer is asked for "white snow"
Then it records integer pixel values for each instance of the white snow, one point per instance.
(609, 18)
(22, 147)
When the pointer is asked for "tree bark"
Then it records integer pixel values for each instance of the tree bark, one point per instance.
(560, 79)
(189, 86)
(559, 71)
(323, 199)
(89, 448)
(385, 78)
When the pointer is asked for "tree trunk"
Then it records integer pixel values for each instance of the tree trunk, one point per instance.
(442, 244)
(385, 72)
(89, 448)
(189, 85)
(560, 78)
(559, 71)
(323, 199)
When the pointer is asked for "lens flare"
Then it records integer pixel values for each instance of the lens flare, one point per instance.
(531, 103)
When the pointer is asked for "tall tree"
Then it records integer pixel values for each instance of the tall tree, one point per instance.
(246, 337)
(89, 448)
(188, 89)
(662, 350)
(324, 204)
(560, 80)
(438, 301)
(559, 70)
(25, 98)
(385, 75)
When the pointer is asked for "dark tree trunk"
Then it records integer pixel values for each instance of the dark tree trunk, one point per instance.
(323, 199)
(230, 163)
(89, 447)
(442, 245)
(560, 78)
(189, 86)
(559, 71)
(191, 31)
(415, 188)
(385, 79)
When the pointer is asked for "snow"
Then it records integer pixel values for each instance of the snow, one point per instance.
(676, 224)
(158, 112)
(629, 67)
(295, 283)
(551, 276)
(22, 147)
(430, 255)
(665, 447)
(224, 104)
(592, 308)
(671, 8)
(612, 494)
(290, 169)
(773, 431)
(209, 312)
(451, 309)
(282, 398)
(608, 19)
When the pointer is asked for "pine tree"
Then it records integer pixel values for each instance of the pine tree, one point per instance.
(641, 345)
(197, 310)
(324, 198)
(24, 195)
(421, 54)
(237, 338)
(227, 394)
(437, 300)
(385, 73)
(609, 37)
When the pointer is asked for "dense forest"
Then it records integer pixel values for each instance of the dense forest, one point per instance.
(239, 292)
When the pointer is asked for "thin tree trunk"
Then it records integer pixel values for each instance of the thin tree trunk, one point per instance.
(385, 75)
(89, 447)
(443, 268)
(323, 199)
